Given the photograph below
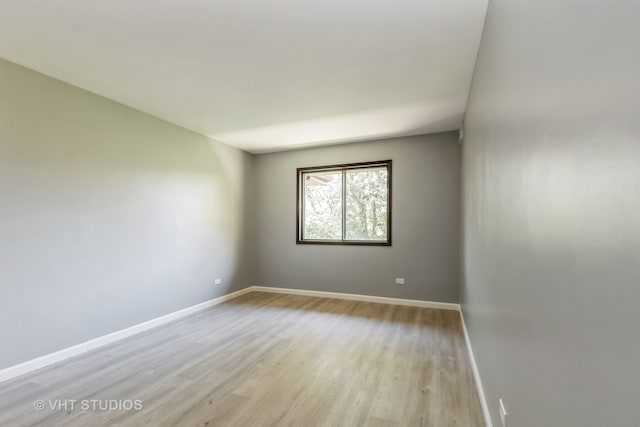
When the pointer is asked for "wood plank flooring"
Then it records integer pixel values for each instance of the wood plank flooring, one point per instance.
(265, 360)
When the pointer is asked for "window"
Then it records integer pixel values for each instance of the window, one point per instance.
(345, 204)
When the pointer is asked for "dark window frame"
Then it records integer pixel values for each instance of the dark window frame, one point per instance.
(342, 167)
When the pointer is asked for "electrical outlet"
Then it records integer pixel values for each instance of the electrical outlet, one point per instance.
(503, 413)
(399, 281)
(218, 282)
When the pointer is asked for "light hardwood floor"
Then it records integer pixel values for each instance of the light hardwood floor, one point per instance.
(267, 360)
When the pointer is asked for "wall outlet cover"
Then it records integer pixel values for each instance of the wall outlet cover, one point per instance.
(399, 281)
(218, 281)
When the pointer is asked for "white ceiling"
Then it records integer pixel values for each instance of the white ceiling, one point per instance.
(262, 75)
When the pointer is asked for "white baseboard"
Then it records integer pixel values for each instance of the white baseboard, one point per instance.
(356, 297)
(476, 376)
(66, 353)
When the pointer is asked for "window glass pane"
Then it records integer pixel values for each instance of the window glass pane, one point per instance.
(366, 213)
(322, 205)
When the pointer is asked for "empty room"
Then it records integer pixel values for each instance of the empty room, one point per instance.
(304, 213)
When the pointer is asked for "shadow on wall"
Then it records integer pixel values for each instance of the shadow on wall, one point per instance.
(236, 220)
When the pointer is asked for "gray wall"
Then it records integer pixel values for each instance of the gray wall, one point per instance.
(551, 212)
(108, 217)
(425, 251)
